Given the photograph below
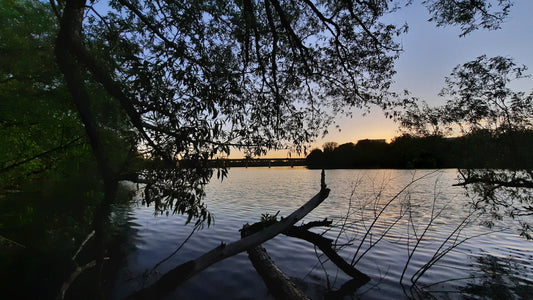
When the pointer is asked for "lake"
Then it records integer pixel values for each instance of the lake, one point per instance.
(495, 264)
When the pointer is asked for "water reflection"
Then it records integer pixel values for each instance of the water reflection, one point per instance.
(495, 265)
(499, 278)
(248, 193)
(43, 226)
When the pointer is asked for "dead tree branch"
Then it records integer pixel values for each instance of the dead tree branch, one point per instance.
(77, 272)
(171, 280)
(325, 245)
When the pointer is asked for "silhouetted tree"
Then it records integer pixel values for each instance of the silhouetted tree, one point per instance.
(315, 159)
(330, 146)
(188, 80)
(344, 156)
(463, 12)
(497, 121)
(195, 78)
(431, 151)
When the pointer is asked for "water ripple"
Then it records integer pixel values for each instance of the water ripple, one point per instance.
(248, 193)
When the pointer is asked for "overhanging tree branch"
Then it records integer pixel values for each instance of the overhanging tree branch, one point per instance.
(70, 44)
(60, 147)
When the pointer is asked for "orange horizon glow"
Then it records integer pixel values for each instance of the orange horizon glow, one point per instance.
(372, 127)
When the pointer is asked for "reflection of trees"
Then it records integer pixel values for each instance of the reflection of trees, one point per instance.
(49, 220)
(120, 243)
(500, 278)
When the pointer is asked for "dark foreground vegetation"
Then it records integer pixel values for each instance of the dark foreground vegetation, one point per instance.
(480, 149)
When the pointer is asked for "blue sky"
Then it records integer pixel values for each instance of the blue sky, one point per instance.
(430, 54)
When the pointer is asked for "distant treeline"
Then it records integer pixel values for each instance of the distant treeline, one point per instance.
(482, 149)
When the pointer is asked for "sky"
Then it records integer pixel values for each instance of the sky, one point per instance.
(430, 53)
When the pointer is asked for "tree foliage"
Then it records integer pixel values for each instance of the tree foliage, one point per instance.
(431, 151)
(37, 121)
(480, 102)
(478, 97)
(205, 75)
(196, 78)
(187, 81)
(463, 12)
(49, 184)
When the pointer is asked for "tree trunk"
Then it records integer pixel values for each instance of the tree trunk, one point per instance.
(70, 33)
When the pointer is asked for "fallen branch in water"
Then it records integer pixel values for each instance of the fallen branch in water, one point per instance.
(2, 238)
(91, 234)
(171, 280)
(325, 245)
(79, 270)
(279, 284)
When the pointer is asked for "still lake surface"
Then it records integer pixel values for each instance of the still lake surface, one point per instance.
(492, 265)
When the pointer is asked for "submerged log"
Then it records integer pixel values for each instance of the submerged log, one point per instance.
(171, 280)
(278, 284)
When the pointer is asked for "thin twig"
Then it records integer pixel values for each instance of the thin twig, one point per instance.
(177, 249)
(12, 242)
(77, 272)
(83, 245)
(368, 232)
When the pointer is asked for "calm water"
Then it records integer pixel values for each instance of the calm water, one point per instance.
(496, 264)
